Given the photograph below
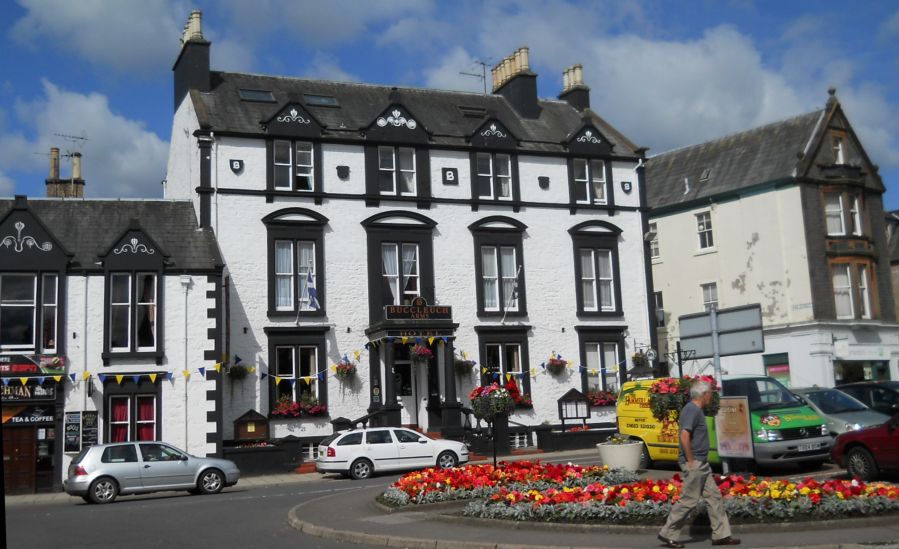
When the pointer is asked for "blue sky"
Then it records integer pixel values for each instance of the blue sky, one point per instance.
(666, 73)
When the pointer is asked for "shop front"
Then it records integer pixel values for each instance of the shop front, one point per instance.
(412, 377)
(32, 405)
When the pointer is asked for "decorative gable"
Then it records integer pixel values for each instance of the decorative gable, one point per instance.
(134, 250)
(293, 121)
(493, 134)
(396, 124)
(589, 141)
(26, 244)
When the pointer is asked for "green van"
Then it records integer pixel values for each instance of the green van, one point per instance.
(784, 429)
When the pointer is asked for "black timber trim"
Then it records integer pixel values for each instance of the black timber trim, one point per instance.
(204, 143)
(216, 354)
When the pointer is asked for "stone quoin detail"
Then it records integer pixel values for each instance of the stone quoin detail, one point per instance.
(134, 246)
(397, 119)
(19, 242)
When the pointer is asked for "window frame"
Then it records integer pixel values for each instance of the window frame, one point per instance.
(514, 198)
(399, 292)
(133, 350)
(314, 168)
(505, 337)
(38, 314)
(297, 338)
(851, 203)
(589, 182)
(658, 301)
(654, 249)
(838, 147)
(596, 236)
(499, 232)
(296, 225)
(601, 335)
(861, 289)
(133, 391)
(712, 287)
(397, 170)
(705, 231)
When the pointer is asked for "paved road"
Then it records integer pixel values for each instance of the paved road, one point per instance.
(243, 516)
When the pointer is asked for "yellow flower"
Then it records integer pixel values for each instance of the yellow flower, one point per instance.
(805, 490)
(656, 489)
(775, 494)
(840, 495)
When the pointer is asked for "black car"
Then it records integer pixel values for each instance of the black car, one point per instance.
(882, 396)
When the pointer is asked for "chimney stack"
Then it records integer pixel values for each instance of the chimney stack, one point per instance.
(54, 163)
(513, 79)
(65, 188)
(574, 91)
(192, 66)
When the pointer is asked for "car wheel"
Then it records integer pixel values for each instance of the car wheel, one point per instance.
(361, 468)
(447, 460)
(645, 460)
(103, 490)
(211, 482)
(860, 463)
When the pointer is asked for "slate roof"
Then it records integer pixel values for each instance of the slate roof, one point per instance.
(222, 110)
(88, 228)
(761, 155)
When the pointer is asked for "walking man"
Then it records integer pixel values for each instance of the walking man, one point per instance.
(698, 481)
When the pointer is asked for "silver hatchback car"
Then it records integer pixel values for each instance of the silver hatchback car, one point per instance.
(100, 473)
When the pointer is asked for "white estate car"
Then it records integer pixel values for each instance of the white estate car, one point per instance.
(359, 453)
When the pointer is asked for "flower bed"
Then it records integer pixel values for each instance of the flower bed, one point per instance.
(534, 491)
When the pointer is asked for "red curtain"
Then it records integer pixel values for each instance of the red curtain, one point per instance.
(118, 430)
(146, 417)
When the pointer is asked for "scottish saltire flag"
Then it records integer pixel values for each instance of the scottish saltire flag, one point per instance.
(313, 294)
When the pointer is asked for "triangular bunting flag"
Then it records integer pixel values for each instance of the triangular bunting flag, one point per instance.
(356, 355)
(582, 368)
(390, 339)
(263, 376)
(366, 346)
(41, 380)
(72, 376)
(321, 375)
(508, 377)
(85, 375)
(277, 381)
(135, 379)
(57, 378)
(6, 382)
(202, 371)
(464, 355)
(186, 374)
(334, 368)
(102, 378)
(431, 340)
(445, 339)
(543, 365)
(152, 378)
(253, 370)
(533, 372)
(418, 341)
(170, 376)
(593, 371)
(237, 359)
(218, 367)
(118, 378)
(405, 339)
(483, 370)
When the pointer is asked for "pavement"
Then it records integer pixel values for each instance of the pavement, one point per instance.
(354, 516)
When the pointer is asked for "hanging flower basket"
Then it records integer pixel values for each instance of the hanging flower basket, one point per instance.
(556, 365)
(668, 395)
(421, 354)
(489, 400)
(463, 367)
(345, 370)
(238, 372)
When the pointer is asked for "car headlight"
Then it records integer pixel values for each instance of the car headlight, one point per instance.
(824, 430)
(770, 435)
(852, 427)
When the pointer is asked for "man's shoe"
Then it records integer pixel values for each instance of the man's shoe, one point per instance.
(673, 544)
(726, 541)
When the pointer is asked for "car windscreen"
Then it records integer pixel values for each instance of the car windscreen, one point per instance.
(834, 402)
(762, 393)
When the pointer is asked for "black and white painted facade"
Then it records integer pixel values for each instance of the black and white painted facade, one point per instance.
(109, 330)
(496, 228)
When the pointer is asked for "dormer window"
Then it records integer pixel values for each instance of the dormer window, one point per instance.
(837, 144)
(293, 165)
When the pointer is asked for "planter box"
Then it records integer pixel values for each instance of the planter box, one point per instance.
(621, 456)
(268, 460)
(551, 441)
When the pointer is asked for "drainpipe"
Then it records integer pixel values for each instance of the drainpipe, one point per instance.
(185, 283)
(84, 338)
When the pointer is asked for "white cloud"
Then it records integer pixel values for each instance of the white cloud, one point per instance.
(142, 38)
(120, 158)
(445, 76)
(325, 66)
(889, 28)
(7, 185)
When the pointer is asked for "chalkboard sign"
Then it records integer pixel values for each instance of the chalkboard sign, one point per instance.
(73, 432)
(89, 431)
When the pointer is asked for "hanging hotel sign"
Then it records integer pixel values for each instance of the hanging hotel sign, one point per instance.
(418, 310)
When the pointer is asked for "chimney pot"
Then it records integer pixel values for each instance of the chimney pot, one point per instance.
(54, 163)
(525, 63)
(76, 165)
(565, 81)
(578, 75)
